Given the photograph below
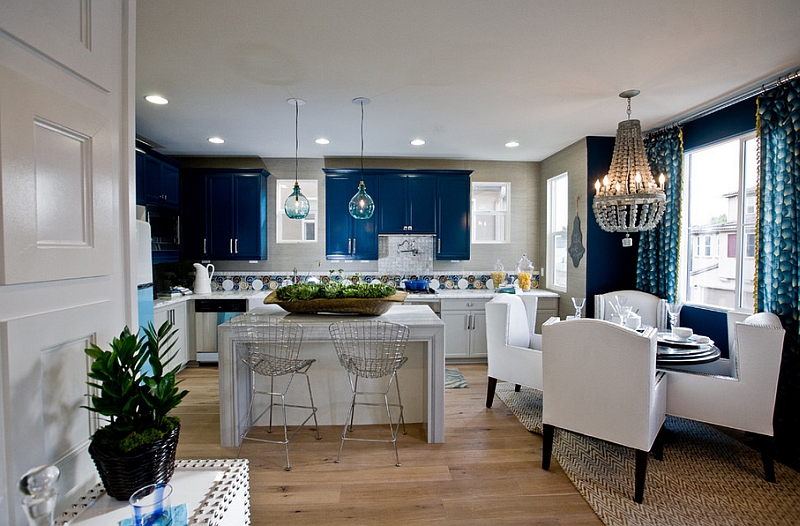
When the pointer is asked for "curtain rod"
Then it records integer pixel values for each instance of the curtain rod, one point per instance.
(766, 85)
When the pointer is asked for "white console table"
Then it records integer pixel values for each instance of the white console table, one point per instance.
(216, 493)
(422, 387)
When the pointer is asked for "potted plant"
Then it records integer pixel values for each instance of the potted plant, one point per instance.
(135, 391)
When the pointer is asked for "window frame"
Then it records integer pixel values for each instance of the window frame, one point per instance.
(505, 214)
(695, 248)
(551, 236)
(280, 213)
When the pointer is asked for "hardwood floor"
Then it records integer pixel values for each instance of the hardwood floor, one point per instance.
(488, 468)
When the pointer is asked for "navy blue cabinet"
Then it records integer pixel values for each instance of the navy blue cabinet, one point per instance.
(413, 204)
(347, 237)
(141, 186)
(453, 215)
(161, 182)
(225, 214)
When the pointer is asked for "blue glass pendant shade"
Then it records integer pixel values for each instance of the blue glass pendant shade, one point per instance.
(361, 205)
(296, 205)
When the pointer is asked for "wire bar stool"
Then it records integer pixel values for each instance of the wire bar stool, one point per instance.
(371, 350)
(270, 347)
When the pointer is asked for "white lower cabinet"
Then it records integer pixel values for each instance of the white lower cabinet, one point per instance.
(464, 328)
(547, 308)
(176, 314)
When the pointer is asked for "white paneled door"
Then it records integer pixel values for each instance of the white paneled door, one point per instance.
(66, 224)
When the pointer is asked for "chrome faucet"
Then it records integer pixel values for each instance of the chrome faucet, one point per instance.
(295, 277)
(411, 247)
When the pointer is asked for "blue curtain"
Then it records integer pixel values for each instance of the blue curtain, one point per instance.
(777, 227)
(657, 264)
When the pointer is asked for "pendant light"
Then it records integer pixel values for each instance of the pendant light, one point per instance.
(296, 205)
(361, 205)
(629, 199)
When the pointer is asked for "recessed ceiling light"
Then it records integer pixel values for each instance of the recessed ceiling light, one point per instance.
(156, 99)
(417, 142)
(512, 144)
(216, 140)
(322, 140)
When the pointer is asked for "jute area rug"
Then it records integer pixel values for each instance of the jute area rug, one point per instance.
(706, 477)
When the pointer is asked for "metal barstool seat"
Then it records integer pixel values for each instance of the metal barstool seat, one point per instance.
(270, 347)
(371, 349)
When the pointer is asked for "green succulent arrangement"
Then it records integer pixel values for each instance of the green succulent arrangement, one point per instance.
(334, 289)
(135, 400)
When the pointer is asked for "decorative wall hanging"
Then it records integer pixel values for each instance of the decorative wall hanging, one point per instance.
(576, 249)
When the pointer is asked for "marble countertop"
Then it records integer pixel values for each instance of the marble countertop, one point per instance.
(443, 294)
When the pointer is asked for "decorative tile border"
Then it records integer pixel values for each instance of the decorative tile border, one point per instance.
(477, 280)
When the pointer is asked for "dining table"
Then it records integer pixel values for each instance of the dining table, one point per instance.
(694, 350)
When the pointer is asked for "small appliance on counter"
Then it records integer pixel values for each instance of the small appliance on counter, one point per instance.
(202, 278)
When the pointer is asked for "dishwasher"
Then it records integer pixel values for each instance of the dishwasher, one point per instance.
(208, 314)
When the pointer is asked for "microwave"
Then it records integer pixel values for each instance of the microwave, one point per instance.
(165, 227)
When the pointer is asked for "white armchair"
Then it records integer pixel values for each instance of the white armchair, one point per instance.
(738, 393)
(652, 309)
(513, 349)
(600, 380)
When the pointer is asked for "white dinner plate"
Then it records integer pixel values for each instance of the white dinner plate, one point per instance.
(463, 284)
(227, 285)
(257, 284)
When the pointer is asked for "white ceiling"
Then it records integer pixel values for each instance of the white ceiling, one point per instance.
(467, 76)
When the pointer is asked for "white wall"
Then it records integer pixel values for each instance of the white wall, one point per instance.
(66, 159)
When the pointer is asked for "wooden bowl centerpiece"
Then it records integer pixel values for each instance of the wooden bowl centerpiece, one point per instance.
(335, 297)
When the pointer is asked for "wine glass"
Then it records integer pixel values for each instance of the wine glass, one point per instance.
(674, 311)
(578, 303)
(624, 312)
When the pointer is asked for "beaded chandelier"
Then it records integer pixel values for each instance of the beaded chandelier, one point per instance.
(629, 200)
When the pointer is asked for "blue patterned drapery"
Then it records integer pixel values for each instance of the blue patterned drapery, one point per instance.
(777, 239)
(778, 268)
(657, 266)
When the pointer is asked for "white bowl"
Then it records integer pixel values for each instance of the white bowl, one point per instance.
(682, 332)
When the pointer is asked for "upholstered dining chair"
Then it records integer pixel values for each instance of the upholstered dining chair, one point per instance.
(513, 349)
(652, 309)
(738, 393)
(600, 380)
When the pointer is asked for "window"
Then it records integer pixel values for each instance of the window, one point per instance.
(296, 230)
(720, 223)
(557, 204)
(490, 212)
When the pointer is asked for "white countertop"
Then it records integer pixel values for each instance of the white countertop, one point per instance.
(427, 298)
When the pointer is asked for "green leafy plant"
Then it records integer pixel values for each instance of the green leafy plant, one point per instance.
(135, 399)
(333, 289)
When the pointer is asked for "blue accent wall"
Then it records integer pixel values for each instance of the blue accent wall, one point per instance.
(708, 322)
(609, 265)
(734, 120)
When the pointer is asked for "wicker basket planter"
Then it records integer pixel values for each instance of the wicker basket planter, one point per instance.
(149, 464)
(364, 306)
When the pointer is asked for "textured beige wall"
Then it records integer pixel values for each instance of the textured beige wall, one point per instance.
(524, 208)
(572, 160)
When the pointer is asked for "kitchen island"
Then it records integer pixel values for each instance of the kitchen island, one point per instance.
(421, 378)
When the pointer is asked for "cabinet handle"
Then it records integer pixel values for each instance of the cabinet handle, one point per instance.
(179, 230)
(236, 246)
(411, 227)
(205, 248)
(354, 245)
(469, 322)
(439, 248)
(230, 245)
(349, 245)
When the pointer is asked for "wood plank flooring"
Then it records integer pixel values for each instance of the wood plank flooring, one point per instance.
(487, 470)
